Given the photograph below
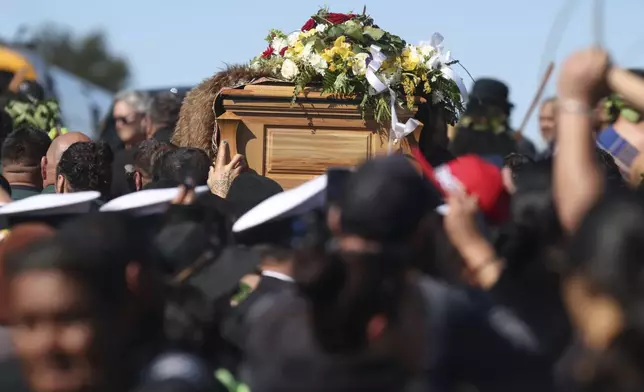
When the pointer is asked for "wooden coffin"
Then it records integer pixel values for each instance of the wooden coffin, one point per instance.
(294, 142)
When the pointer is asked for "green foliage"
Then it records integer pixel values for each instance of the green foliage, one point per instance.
(243, 292)
(274, 33)
(353, 30)
(87, 57)
(229, 382)
(337, 77)
(328, 82)
(374, 33)
(307, 75)
(382, 110)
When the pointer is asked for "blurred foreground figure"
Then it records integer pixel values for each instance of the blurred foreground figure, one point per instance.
(364, 317)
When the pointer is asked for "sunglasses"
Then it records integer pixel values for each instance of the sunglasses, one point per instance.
(125, 120)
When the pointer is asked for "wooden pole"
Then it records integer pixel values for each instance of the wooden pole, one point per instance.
(598, 23)
(536, 99)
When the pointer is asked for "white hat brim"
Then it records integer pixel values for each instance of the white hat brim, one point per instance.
(51, 204)
(146, 202)
(296, 201)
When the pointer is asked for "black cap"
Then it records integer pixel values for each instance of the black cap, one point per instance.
(490, 91)
(248, 190)
(193, 234)
(222, 277)
(385, 199)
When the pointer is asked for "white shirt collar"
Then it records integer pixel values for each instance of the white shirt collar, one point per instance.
(277, 275)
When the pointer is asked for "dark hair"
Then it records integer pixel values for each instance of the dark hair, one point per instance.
(470, 141)
(164, 109)
(346, 290)
(385, 200)
(79, 257)
(182, 163)
(189, 320)
(147, 152)
(4, 184)
(606, 251)
(619, 368)
(6, 125)
(516, 162)
(534, 226)
(607, 247)
(87, 166)
(25, 147)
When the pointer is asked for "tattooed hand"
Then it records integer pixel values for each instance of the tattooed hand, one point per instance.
(225, 170)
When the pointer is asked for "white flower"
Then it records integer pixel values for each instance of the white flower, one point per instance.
(413, 54)
(434, 62)
(321, 28)
(318, 63)
(289, 70)
(359, 67)
(426, 50)
(391, 78)
(293, 37)
(308, 50)
(278, 44)
(437, 97)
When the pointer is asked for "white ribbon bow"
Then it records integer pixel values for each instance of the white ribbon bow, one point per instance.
(398, 130)
(440, 59)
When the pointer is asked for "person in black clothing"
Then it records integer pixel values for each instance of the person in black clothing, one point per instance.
(6, 123)
(362, 315)
(433, 141)
(22, 151)
(484, 127)
(163, 115)
(532, 247)
(85, 166)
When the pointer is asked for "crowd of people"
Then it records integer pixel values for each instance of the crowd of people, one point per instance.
(471, 263)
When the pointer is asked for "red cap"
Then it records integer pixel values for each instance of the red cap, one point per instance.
(475, 176)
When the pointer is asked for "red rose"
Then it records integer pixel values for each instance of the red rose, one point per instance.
(335, 18)
(283, 51)
(268, 52)
(310, 24)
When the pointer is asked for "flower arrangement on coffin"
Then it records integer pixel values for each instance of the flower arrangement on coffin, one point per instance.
(351, 56)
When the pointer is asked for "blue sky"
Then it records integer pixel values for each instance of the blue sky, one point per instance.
(179, 42)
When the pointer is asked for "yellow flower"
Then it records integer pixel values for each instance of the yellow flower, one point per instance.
(298, 48)
(342, 48)
(332, 67)
(410, 59)
(328, 54)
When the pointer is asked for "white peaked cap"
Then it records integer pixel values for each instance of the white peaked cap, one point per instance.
(146, 202)
(51, 204)
(306, 197)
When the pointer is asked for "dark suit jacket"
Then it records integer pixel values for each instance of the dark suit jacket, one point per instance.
(235, 327)
(11, 378)
(471, 341)
(122, 184)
